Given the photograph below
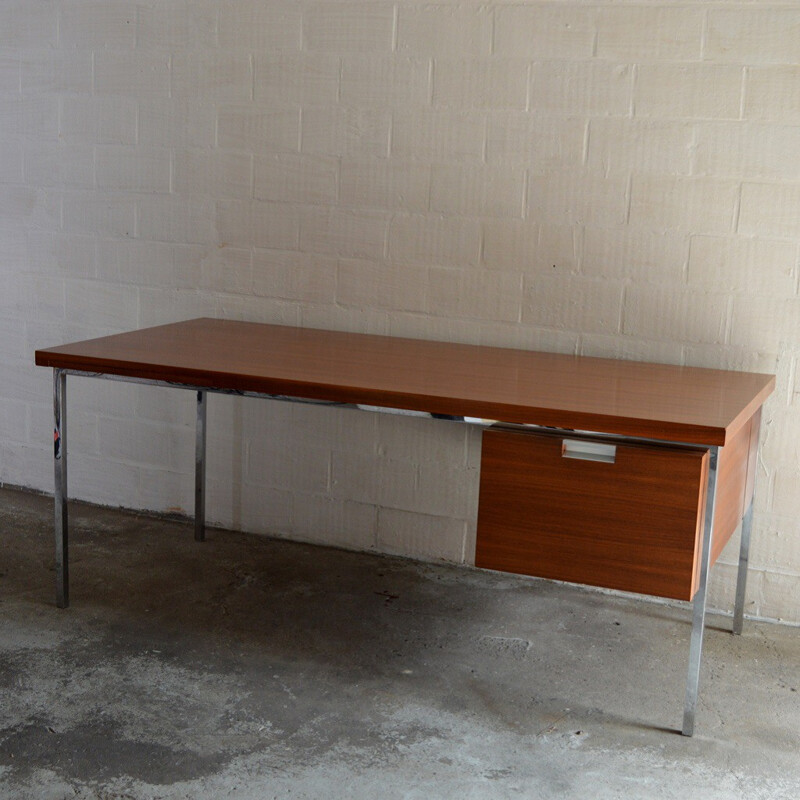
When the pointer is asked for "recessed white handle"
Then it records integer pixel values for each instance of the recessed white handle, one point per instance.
(589, 451)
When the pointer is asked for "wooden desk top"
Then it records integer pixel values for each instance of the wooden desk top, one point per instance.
(631, 398)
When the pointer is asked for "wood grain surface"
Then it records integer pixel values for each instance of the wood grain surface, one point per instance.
(632, 525)
(622, 397)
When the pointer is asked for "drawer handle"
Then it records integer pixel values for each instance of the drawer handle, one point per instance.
(589, 451)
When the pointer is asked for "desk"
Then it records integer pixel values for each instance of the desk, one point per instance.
(709, 416)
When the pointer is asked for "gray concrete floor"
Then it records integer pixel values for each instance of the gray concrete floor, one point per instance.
(246, 667)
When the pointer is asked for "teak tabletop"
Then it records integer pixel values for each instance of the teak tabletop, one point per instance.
(658, 401)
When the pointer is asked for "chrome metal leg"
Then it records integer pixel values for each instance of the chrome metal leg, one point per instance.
(60, 494)
(741, 578)
(200, 469)
(699, 607)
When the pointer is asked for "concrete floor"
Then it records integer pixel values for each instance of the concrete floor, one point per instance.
(246, 667)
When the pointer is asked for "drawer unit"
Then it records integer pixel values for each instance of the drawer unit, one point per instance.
(625, 516)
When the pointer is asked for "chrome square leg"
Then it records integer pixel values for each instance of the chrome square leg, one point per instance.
(699, 607)
(60, 494)
(741, 578)
(200, 469)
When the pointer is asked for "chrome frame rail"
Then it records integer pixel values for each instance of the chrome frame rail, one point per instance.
(699, 602)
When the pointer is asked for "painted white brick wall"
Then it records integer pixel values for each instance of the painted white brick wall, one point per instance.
(615, 177)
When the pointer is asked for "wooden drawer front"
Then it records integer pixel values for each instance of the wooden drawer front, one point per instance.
(631, 525)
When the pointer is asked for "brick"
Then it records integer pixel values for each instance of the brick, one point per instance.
(751, 152)
(174, 27)
(675, 314)
(339, 318)
(25, 25)
(168, 491)
(11, 161)
(420, 440)
(95, 26)
(438, 135)
(727, 356)
(301, 277)
(385, 184)
(10, 75)
(681, 91)
(340, 131)
(62, 72)
(630, 145)
(421, 536)
(337, 523)
(293, 178)
(571, 303)
(134, 74)
(285, 468)
(36, 118)
(544, 31)
(699, 205)
(772, 93)
(216, 173)
(595, 88)
(232, 271)
(753, 266)
(248, 307)
(477, 191)
(430, 240)
(257, 509)
(663, 33)
(131, 169)
(526, 246)
(768, 542)
(176, 218)
(306, 79)
(444, 30)
(371, 284)
(164, 122)
(599, 345)
(383, 81)
(753, 35)
(18, 251)
(260, 27)
(256, 130)
(107, 306)
(484, 84)
(212, 77)
(104, 213)
(62, 253)
(760, 322)
(776, 447)
(373, 480)
(101, 480)
(160, 306)
(769, 210)
(629, 252)
(348, 27)
(257, 224)
(539, 142)
(578, 196)
(446, 491)
(475, 294)
(98, 120)
(42, 296)
(13, 420)
(13, 340)
(785, 500)
(353, 234)
(138, 263)
(136, 441)
(323, 430)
